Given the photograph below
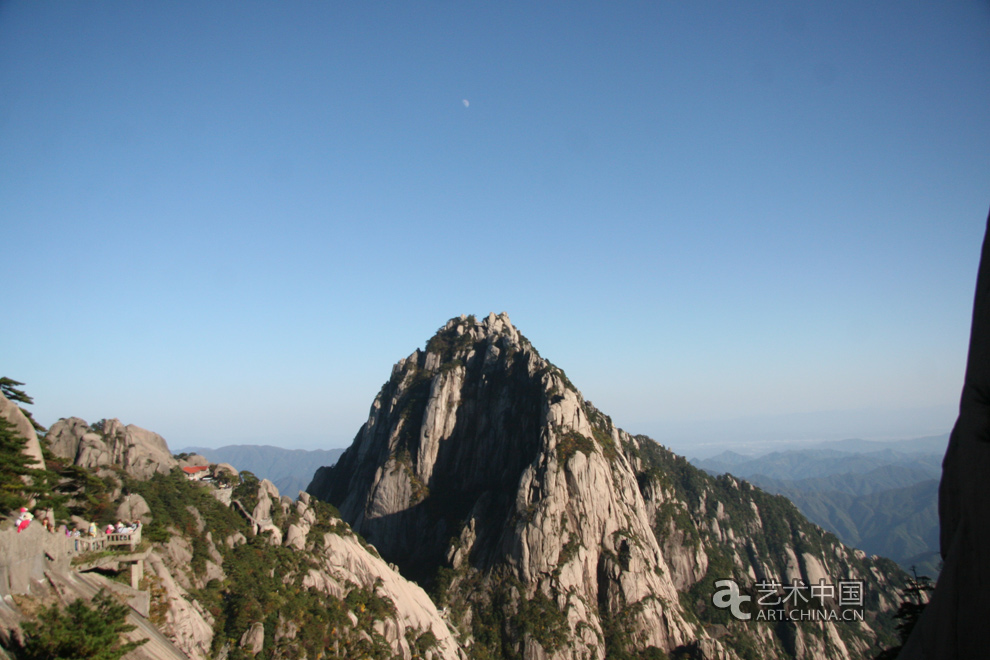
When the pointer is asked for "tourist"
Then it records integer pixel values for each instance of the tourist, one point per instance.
(24, 520)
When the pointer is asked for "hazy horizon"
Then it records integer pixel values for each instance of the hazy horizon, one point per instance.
(702, 439)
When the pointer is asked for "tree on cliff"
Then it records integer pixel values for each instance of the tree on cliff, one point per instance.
(79, 631)
(15, 464)
(20, 480)
(918, 594)
(10, 388)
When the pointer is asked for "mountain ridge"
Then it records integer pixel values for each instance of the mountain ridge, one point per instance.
(884, 502)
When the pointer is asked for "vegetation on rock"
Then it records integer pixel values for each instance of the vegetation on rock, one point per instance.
(79, 630)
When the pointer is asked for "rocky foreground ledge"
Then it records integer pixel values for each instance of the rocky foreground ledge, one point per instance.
(212, 536)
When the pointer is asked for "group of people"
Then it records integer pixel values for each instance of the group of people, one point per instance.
(25, 518)
(93, 531)
(121, 528)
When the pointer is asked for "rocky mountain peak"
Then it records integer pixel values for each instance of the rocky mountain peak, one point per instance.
(483, 473)
(493, 325)
(461, 338)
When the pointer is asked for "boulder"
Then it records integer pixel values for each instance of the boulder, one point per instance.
(344, 562)
(235, 540)
(226, 468)
(193, 460)
(253, 640)
(134, 507)
(296, 536)
(11, 412)
(185, 623)
(65, 435)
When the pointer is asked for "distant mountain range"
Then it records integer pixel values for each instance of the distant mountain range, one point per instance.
(290, 470)
(844, 457)
(881, 497)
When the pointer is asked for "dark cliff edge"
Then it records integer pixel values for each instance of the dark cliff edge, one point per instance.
(954, 625)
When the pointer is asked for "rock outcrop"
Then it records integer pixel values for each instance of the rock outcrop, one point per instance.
(296, 558)
(953, 625)
(108, 442)
(253, 641)
(179, 616)
(11, 412)
(483, 472)
(134, 507)
(344, 561)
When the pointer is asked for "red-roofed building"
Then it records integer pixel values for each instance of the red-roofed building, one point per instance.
(196, 472)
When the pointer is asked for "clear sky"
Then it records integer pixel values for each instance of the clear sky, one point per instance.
(225, 221)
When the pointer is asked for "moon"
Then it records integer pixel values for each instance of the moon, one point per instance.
(467, 104)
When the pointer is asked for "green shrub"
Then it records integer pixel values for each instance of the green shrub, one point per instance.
(79, 631)
(572, 442)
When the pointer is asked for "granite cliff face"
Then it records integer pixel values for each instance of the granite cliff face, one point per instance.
(547, 532)
(313, 558)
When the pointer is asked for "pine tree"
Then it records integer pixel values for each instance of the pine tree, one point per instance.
(79, 631)
(14, 466)
(20, 479)
(10, 389)
(909, 612)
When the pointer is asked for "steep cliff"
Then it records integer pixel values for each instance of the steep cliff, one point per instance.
(547, 532)
(286, 577)
(953, 625)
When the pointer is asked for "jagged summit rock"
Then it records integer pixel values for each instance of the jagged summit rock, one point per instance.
(483, 473)
(108, 442)
(418, 427)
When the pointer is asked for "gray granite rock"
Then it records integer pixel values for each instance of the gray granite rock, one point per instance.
(139, 451)
(11, 412)
(134, 507)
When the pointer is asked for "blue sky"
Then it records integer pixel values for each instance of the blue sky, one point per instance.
(726, 221)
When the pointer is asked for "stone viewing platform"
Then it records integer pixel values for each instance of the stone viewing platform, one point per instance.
(26, 555)
(103, 541)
